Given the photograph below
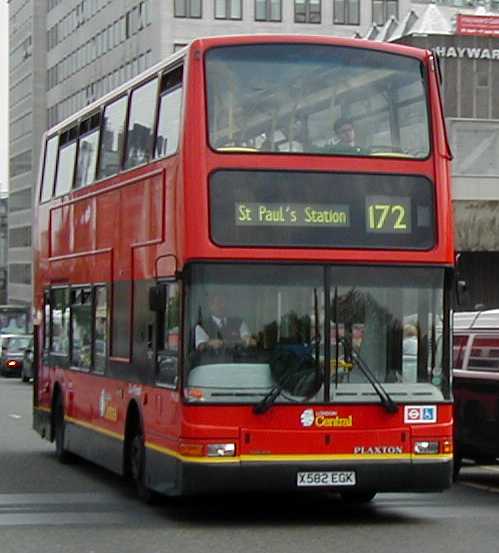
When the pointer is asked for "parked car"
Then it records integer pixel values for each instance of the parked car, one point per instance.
(476, 386)
(12, 349)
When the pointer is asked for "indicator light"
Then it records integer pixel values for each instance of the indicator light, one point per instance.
(193, 449)
(190, 449)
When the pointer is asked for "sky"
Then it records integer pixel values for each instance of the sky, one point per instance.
(4, 87)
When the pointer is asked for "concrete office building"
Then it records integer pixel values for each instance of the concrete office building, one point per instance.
(4, 211)
(66, 53)
(27, 121)
(469, 59)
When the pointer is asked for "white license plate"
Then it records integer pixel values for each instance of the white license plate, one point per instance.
(331, 478)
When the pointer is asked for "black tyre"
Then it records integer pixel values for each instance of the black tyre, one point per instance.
(457, 463)
(357, 498)
(62, 454)
(137, 466)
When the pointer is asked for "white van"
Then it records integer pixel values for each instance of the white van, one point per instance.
(476, 386)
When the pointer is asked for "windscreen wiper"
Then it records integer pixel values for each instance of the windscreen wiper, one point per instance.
(266, 403)
(384, 396)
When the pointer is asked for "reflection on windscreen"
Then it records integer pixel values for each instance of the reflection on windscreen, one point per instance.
(316, 99)
(254, 328)
(13, 323)
(16, 345)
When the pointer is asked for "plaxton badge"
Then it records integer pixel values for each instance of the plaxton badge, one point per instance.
(324, 419)
(378, 450)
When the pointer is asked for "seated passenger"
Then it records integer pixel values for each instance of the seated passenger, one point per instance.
(217, 330)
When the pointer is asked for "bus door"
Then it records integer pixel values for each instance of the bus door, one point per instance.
(164, 350)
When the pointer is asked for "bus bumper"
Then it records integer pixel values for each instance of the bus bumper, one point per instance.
(404, 476)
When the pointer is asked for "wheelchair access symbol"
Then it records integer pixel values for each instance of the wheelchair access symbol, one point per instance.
(420, 414)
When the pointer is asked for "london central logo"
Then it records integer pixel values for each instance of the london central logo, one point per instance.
(324, 419)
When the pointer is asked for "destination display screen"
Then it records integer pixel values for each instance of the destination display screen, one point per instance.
(337, 210)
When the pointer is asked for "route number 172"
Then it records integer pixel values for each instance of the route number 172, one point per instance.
(388, 217)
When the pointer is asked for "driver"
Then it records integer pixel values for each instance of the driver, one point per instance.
(217, 329)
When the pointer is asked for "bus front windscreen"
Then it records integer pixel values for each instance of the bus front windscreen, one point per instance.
(316, 99)
(310, 333)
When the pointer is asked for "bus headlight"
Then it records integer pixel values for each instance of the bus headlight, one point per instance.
(220, 450)
(426, 447)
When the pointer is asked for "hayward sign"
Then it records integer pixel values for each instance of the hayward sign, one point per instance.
(471, 53)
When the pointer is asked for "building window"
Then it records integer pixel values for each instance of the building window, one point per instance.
(383, 10)
(20, 237)
(188, 8)
(346, 12)
(268, 10)
(20, 200)
(228, 9)
(20, 164)
(20, 273)
(476, 148)
(307, 11)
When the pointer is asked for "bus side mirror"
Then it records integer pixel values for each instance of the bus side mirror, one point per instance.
(460, 284)
(157, 298)
(461, 289)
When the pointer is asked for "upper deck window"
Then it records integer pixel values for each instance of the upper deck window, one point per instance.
(88, 144)
(113, 133)
(66, 163)
(301, 97)
(49, 168)
(170, 103)
(141, 124)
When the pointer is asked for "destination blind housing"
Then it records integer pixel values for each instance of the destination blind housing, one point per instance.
(335, 210)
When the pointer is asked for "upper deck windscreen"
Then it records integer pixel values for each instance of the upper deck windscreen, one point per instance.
(320, 99)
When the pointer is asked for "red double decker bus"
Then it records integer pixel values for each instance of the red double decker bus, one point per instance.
(244, 261)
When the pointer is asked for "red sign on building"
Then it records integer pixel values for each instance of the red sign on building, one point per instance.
(477, 25)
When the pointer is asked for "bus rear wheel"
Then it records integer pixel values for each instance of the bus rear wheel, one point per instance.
(137, 464)
(62, 454)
